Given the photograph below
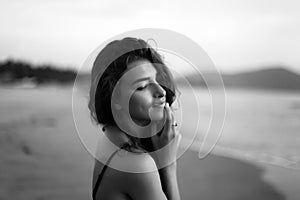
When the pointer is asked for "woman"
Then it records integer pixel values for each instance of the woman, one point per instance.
(131, 82)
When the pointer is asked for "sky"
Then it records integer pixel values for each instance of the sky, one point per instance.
(237, 35)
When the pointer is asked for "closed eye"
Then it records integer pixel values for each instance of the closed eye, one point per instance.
(142, 87)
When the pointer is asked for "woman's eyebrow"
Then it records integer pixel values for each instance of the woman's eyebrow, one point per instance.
(141, 79)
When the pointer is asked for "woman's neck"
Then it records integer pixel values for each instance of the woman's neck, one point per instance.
(119, 137)
(116, 135)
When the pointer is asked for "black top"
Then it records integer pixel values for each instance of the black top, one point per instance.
(100, 176)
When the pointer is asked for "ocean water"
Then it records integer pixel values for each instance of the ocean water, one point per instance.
(261, 126)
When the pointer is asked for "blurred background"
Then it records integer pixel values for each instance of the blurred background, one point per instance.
(254, 44)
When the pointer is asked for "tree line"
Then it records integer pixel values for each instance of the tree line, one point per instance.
(12, 71)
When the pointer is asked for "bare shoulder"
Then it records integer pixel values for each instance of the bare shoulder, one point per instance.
(134, 162)
(135, 174)
(143, 182)
(139, 180)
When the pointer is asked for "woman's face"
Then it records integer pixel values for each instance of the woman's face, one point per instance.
(147, 98)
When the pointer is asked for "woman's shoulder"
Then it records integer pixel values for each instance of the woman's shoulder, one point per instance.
(133, 162)
(124, 159)
(143, 181)
(133, 173)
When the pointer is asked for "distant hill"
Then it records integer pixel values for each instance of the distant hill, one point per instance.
(274, 78)
(12, 71)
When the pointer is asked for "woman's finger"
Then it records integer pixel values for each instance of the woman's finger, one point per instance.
(168, 123)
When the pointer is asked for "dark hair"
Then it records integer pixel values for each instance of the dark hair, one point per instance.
(109, 66)
(114, 59)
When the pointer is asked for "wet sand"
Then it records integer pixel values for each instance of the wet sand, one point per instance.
(216, 177)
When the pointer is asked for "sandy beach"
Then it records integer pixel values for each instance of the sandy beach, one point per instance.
(42, 157)
(215, 177)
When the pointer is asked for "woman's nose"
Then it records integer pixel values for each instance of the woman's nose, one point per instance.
(159, 91)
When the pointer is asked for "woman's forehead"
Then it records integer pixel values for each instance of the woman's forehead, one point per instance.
(140, 69)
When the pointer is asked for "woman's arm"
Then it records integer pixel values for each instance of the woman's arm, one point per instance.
(168, 178)
(166, 145)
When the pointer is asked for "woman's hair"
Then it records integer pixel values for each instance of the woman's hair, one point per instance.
(109, 66)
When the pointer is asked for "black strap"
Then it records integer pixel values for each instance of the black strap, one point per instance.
(95, 189)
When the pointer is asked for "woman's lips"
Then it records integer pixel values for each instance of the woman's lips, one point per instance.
(161, 104)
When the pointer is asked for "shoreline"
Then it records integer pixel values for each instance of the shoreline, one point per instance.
(276, 173)
(222, 178)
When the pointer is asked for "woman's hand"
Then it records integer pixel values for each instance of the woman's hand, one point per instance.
(166, 143)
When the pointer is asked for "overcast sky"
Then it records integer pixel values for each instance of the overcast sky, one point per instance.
(237, 35)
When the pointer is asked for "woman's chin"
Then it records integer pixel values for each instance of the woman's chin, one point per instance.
(157, 115)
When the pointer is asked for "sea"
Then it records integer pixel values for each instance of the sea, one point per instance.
(255, 125)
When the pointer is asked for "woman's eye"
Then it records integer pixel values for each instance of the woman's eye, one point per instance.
(142, 87)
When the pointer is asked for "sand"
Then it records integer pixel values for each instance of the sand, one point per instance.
(42, 157)
(222, 178)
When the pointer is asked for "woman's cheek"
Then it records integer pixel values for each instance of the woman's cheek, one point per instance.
(140, 103)
(142, 99)
(134, 103)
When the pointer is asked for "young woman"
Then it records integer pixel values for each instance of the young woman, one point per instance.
(131, 95)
